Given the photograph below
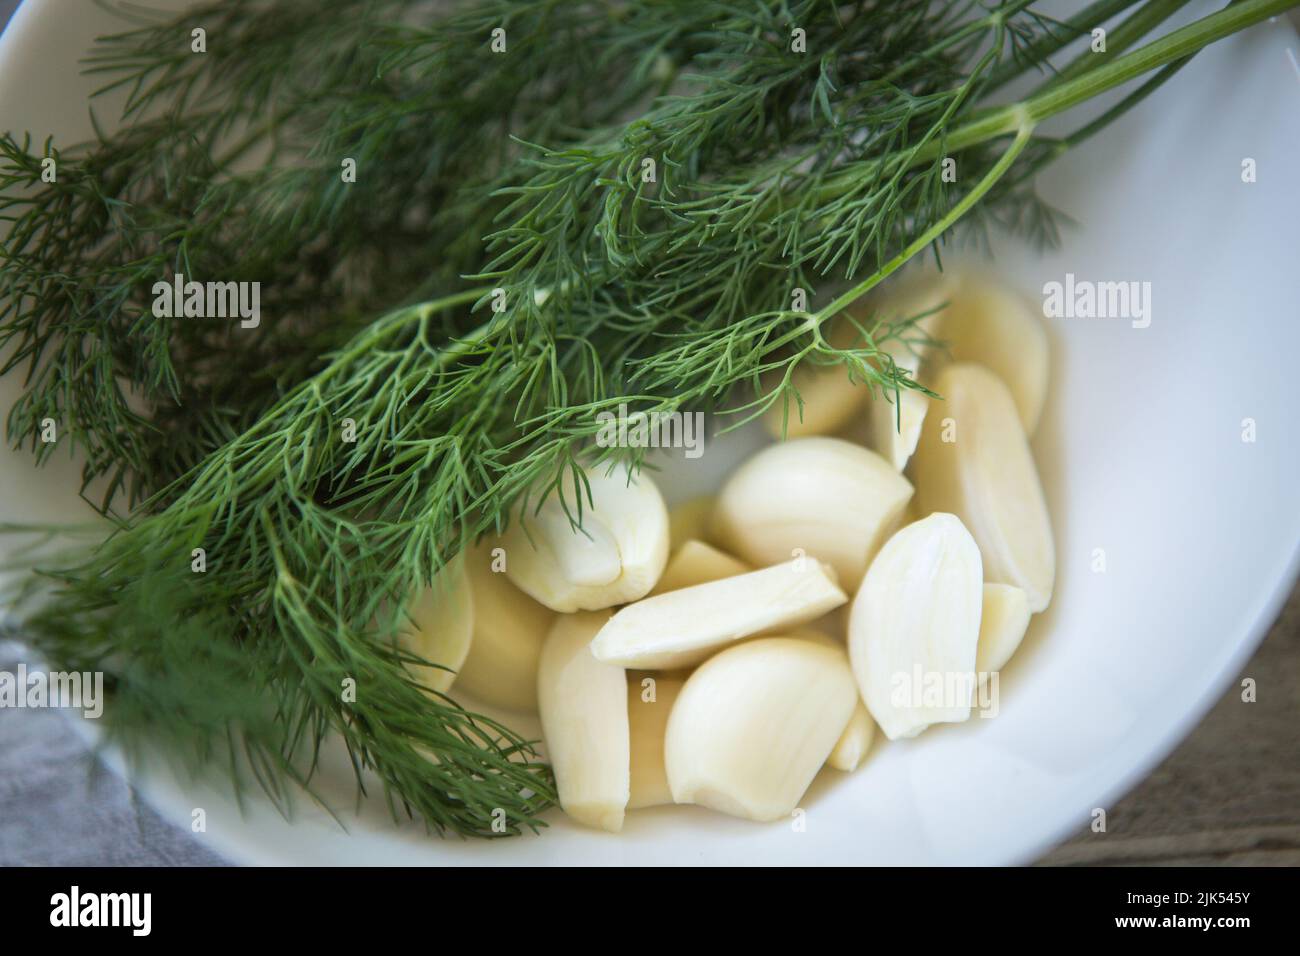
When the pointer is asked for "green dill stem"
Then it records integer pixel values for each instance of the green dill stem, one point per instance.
(1067, 143)
(1023, 137)
(365, 342)
(1150, 16)
(1174, 46)
(379, 330)
(1050, 43)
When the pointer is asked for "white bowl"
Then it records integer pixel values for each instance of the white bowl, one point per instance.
(1141, 453)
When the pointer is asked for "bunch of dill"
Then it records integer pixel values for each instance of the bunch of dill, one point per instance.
(558, 207)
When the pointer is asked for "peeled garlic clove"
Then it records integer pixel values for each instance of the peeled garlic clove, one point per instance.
(912, 512)
(755, 723)
(583, 706)
(823, 497)
(896, 419)
(1002, 626)
(830, 398)
(896, 422)
(683, 627)
(689, 521)
(509, 630)
(852, 747)
(697, 563)
(985, 475)
(915, 625)
(810, 633)
(650, 699)
(440, 627)
(830, 401)
(616, 557)
(998, 328)
(921, 300)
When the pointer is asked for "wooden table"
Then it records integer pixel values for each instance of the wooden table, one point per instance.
(1229, 795)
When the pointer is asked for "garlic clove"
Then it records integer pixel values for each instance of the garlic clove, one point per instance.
(650, 699)
(1003, 623)
(896, 423)
(689, 521)
(683, 627)
(590, 558)
(616, 557)
(754, 724)
(810, 633)
(509, 630)
(830, 398)
(985, 475)
(855, 742)
(583, 707)
(914, 627)
(896, 419)
(822, 497)
(996, 327)
(439, 627)
(697, 563)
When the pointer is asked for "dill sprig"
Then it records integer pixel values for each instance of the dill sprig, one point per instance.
(773, 170)
(229, 166)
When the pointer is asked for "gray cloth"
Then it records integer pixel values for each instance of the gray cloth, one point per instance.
(60, 807)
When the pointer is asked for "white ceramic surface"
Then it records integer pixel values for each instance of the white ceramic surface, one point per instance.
(1141, 455)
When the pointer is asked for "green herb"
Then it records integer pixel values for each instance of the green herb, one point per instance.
(650, 260)
(229, 167)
